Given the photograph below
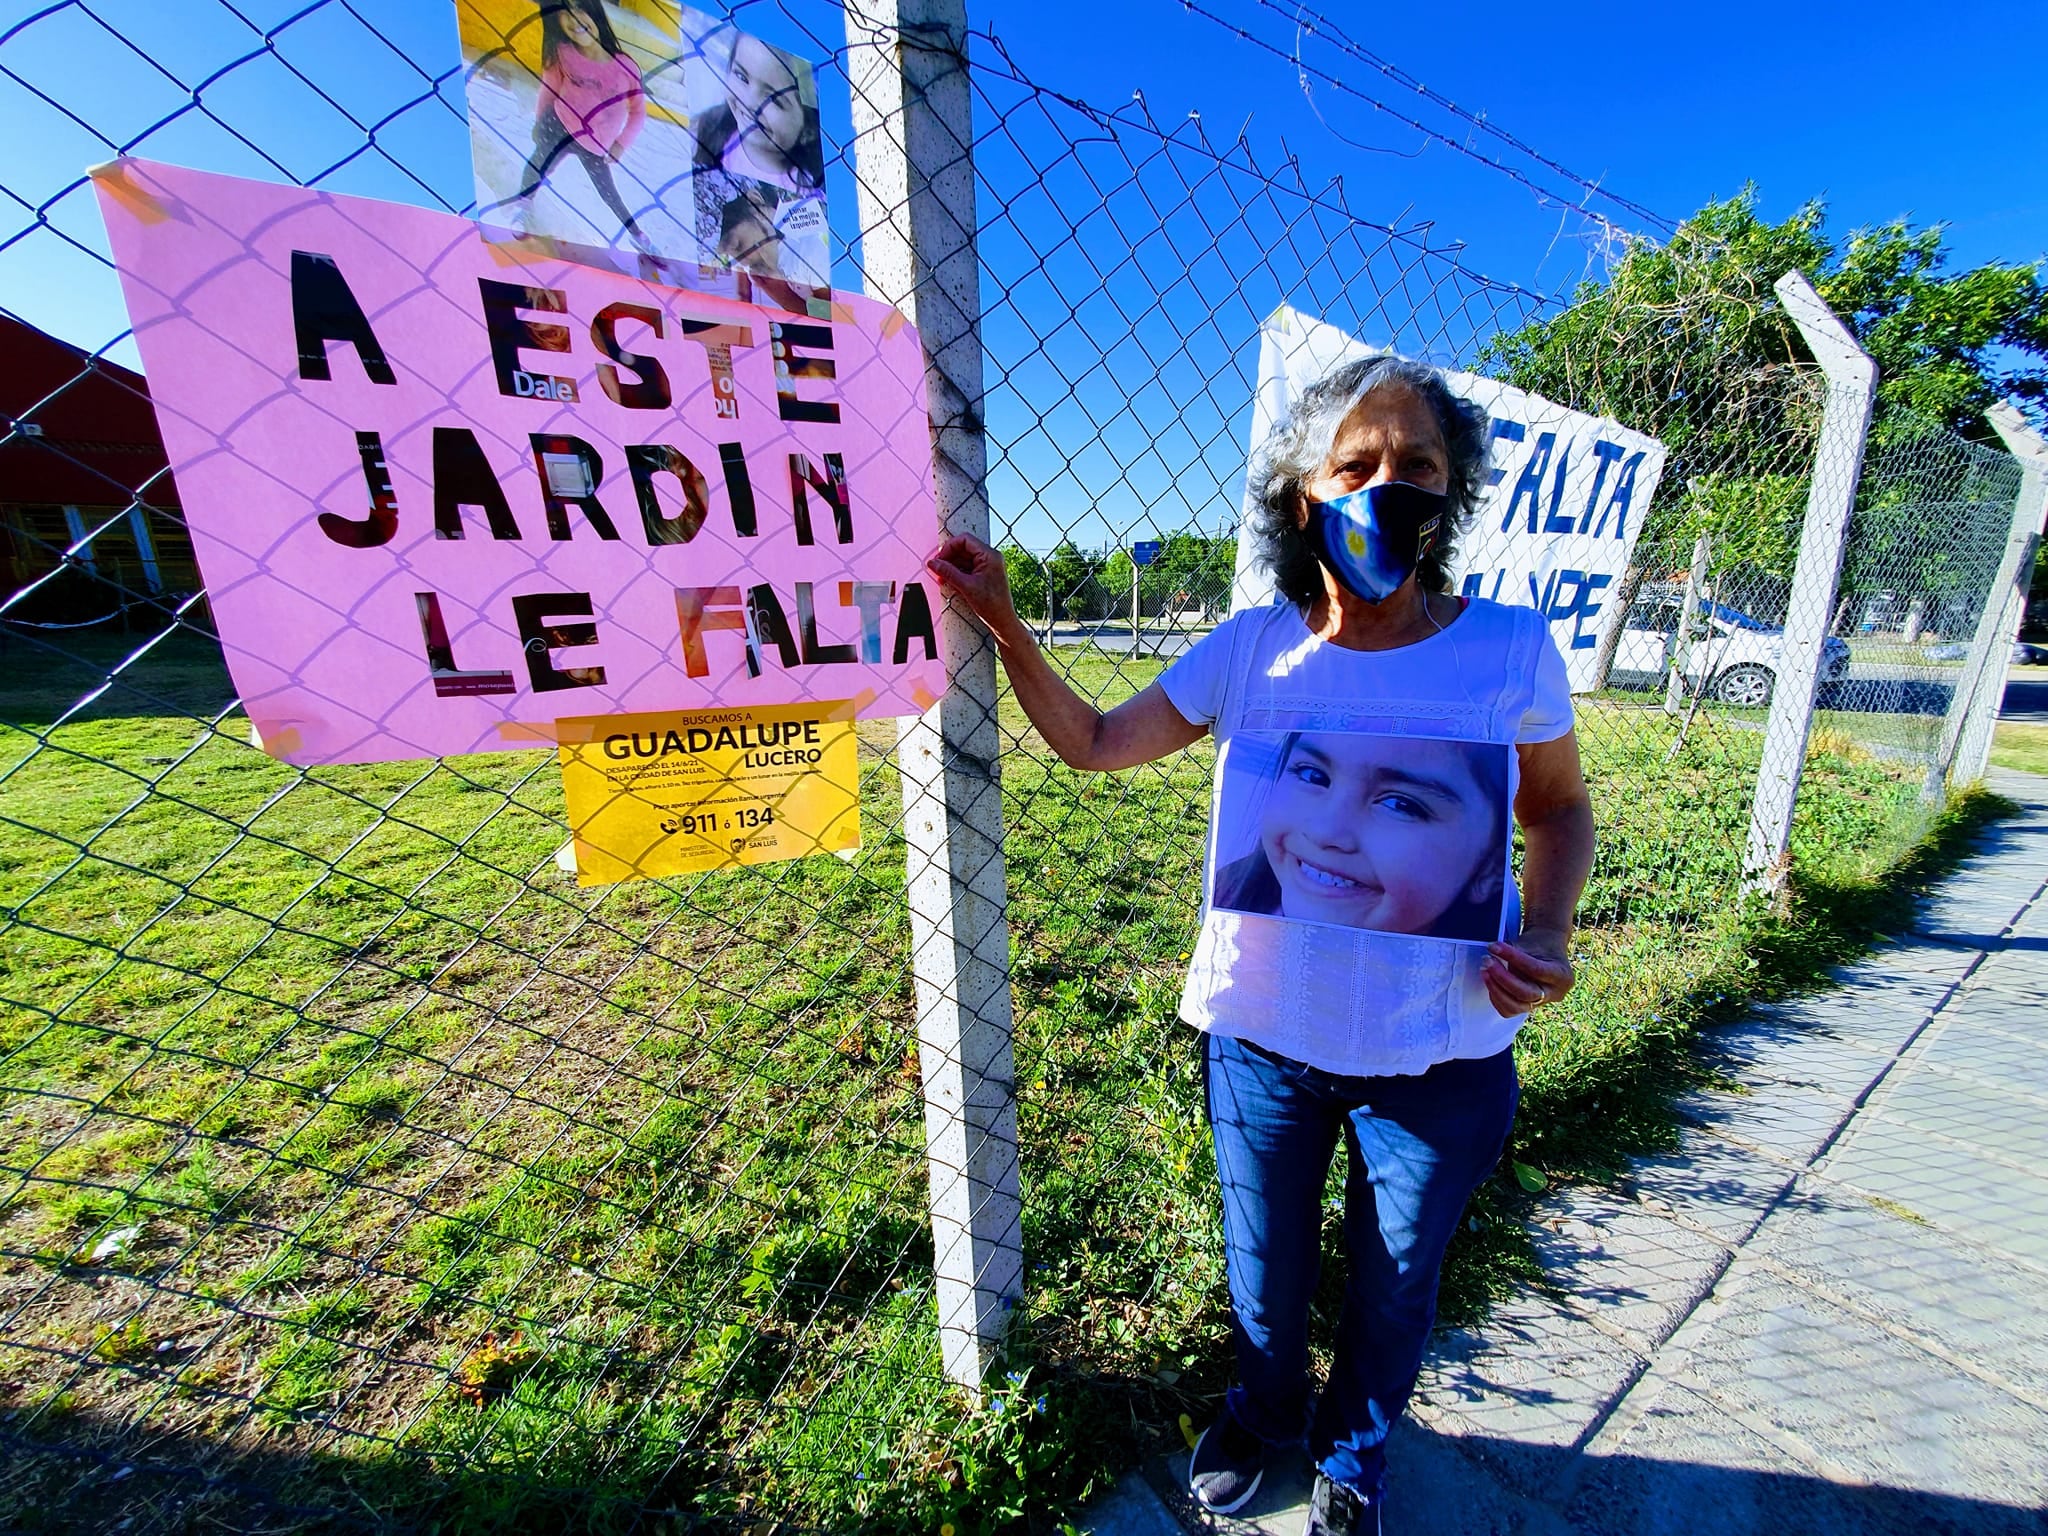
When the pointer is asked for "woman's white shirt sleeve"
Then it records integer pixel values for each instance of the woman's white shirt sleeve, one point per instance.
(1549, 714)
(1195, 681)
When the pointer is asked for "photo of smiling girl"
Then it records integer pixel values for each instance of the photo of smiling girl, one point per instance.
(1392, 833)
(760, 159)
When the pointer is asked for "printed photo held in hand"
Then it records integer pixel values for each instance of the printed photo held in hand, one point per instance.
(1390, 833)
(579, 131)
(759, 183)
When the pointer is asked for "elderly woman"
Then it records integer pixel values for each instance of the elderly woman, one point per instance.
(1363, 962)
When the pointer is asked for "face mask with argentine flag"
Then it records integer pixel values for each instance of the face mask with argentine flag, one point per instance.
(1372, 540)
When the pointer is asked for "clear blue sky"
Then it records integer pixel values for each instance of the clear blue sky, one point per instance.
(1882, 110)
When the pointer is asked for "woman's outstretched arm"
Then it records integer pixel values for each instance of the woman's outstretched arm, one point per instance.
(1556, 814)
(1136, 731)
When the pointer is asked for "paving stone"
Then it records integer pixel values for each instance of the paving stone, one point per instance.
(2012, 972)
(1888, 1262)
(1978, 890)
(1881, 1017)
(1535, 1377)
(1131, 1509)
(1994, 863)
(1976, 920)
(1712, 1183)
(1687, 1468)
(1986, 1053)
(1785, 1119)
(1990, 1202)
(1682, 1462)
(1987, 1115)
(1871, 982)
(1864, 1398)
(2007, 1009)
(1985, 888)
(1280, 1508)
(1636, 1269)
(1910, 954)
(1788, 1050)
(1435, 1489)
(2020, 844)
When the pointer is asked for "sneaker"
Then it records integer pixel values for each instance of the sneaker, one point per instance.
(1224, 1472)
(1337, 1510)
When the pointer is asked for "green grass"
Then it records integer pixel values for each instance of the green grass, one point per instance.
(1890, 650)
(2020, 746)
(511, 1205)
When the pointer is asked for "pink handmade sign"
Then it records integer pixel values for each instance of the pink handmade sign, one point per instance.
(443, 495)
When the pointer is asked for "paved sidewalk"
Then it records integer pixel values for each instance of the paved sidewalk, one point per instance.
(1824, 1314)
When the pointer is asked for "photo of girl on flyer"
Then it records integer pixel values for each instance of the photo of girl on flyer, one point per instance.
(1392, 833)
(591, 107)
(760, 160)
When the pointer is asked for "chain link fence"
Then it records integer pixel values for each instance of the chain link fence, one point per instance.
(358, 1169)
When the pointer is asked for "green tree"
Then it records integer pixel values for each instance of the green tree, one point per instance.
(1947, 346)
(1192, 569)
(1688, 342)
(1069, 575)
(1027, 580)
(1116, 582)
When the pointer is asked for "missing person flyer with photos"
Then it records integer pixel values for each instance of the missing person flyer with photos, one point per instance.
(651, 138)
(1392, 834)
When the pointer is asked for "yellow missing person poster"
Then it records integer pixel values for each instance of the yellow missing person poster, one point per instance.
(687, 790)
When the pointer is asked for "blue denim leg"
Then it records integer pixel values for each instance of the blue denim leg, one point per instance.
(1274, 1138)
(1418, 1146)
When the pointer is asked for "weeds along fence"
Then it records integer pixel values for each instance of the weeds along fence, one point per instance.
(359, 1169)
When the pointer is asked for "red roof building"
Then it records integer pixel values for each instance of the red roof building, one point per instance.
(82, 479)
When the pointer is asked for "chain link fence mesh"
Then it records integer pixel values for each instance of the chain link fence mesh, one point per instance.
(1931, 524)
(360, 1170)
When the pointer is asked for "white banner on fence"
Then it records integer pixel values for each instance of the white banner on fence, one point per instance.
(1565, 497)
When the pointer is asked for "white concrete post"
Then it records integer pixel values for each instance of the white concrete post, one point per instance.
(1973, 712)
(1837, 467)
(1690, 622)
(907, 61)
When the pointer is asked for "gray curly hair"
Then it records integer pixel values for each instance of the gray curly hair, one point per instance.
(1298, 449)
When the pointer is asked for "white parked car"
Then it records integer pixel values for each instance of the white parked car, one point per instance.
(1738, 656)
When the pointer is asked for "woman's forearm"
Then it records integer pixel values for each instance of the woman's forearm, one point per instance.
(1137, 731)
(1557, 858)
(1070, 725)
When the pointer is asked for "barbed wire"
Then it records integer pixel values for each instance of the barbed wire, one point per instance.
(1317, 24)
(1546, 197)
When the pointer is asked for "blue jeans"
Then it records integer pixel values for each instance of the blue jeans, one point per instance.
(1418, 1146)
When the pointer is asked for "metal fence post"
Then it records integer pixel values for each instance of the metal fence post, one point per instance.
(1973, 712)
(914, 163)
(1837, 467)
